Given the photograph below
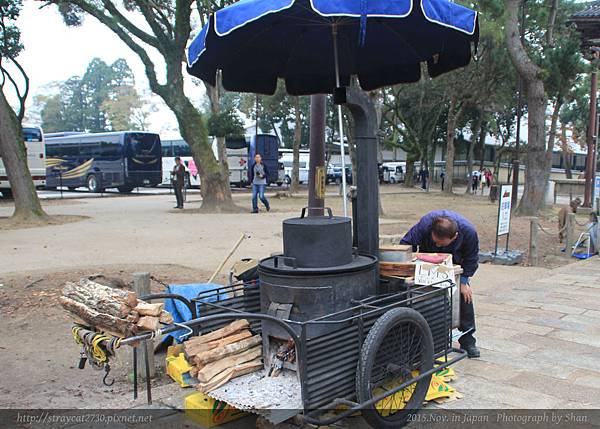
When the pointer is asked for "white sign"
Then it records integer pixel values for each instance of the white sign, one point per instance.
(427, 273)
(505, 209)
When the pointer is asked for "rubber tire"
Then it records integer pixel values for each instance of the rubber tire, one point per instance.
(338, 181)
(7, 193)
(392, 180)
(92, 178)
(125, 189)
(368, 354)
(287, 180)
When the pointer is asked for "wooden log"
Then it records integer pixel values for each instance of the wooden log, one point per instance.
(148, 323)
(133, 317)
(228, 350)
(101, 321)
(101, 298)
(192, 349)
(214, 368)
(165, 317)
(229, 374)
(232, 328)
(147, 309)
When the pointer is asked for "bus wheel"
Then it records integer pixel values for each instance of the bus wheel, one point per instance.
(92, 183)
(7, 193)
(125, 189)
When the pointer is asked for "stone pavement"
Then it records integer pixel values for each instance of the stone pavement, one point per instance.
(538, 331)
(539, 340)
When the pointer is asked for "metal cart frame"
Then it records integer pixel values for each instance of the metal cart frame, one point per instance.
(334, 354)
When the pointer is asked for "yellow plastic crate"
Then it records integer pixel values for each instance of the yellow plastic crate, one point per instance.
(209, 412)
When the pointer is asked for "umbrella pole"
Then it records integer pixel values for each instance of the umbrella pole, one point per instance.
(341, 120)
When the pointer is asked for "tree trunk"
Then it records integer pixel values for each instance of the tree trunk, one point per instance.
(14, 157)
(472, 144)
(552, 138)
(214, 96)
(296, 147)
(450, 149)
(482, 134)
(535, 163)
(409, 178)
(566, 152)
(214, 185)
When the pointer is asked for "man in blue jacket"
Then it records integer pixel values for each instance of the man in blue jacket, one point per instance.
(444, 231)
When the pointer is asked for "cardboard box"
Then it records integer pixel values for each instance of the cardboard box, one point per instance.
(209, 412)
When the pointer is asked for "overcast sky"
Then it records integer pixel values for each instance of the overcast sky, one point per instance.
(55, 52)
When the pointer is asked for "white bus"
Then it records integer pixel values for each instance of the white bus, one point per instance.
(287, 158)
(393, 172)
(36, 159)
(237, 160)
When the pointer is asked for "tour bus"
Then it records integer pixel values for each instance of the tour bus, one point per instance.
(239, 156)
(36, 154)
(237, 160)
(122, 160)
(393, 172)
(267, 146)
(287, 158)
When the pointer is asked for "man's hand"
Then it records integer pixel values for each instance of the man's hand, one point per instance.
(466, 292)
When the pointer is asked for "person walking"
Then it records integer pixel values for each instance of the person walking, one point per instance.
(259, 183)
(178, 180)
(443, 177)
(424, 174)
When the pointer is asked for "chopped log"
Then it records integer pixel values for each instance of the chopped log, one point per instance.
(400, 269)
(229, 374)
(95, 319)
(192, 349)
(133, 316)
(148, 323)
(228, 350)
(101, 298)
(232, 328)
(146, 309)
(165, 317)
(214, 368)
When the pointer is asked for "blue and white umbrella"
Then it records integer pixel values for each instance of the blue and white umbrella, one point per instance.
(383, 42)
(317, 45)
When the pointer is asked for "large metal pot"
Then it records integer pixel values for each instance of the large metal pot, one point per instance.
(317, 241)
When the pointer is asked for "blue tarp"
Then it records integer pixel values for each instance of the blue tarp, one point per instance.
(179, 310)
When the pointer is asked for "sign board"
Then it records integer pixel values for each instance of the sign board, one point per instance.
(427, 273)
(320, 180)
(505, 209)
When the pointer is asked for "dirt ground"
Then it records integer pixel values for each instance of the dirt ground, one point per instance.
(116, 237)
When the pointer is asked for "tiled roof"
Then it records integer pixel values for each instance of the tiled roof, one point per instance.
(592, 11)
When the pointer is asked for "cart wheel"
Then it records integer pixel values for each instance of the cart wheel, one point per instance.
(398, 346)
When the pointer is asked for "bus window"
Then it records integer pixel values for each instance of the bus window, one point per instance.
(110, 149)
(32, 135)
(180, 148)
(167, 148)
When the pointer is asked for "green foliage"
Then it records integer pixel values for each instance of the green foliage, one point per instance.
(104, 99)
(10, 35)
(226, 123)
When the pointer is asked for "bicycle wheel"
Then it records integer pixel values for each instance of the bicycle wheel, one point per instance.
(398, 347)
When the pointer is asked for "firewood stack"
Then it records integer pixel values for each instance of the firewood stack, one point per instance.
(224, 354)
(115, 311)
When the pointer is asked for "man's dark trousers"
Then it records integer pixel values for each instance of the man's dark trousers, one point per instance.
(179, 194)
(467, 323)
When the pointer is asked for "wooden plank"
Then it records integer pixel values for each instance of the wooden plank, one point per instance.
(192, 349)
(214, 368)
(228, 350)
(147, 309)
(148, 323)
(232, 328)
(229, 374)
(400, 269)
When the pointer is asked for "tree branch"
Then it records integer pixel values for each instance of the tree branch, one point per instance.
(518, 55)
(163, 40)
(137, 32)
